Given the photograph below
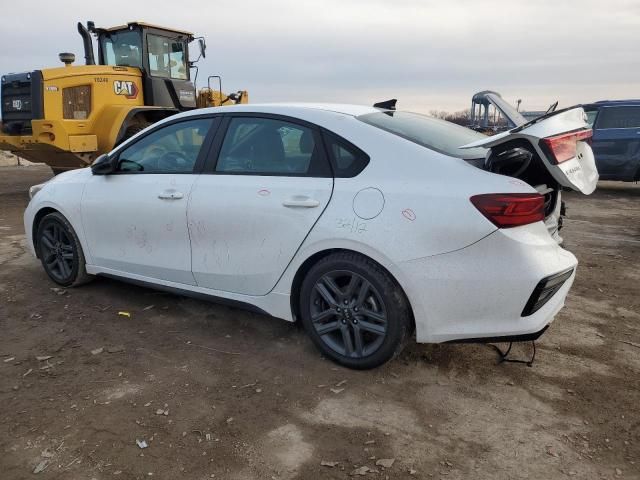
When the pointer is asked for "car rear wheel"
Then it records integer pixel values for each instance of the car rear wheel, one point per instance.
(60, 251)
(354, 311)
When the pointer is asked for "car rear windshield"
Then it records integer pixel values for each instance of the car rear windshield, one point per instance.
(439, 135)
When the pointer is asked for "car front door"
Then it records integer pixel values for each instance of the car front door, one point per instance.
(616, 142)
(268, 182)
(135, 220)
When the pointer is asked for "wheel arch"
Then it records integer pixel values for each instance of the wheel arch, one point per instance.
(37, 218)
(142, 115)
(309, 262)
(43, 212)
(113, 121)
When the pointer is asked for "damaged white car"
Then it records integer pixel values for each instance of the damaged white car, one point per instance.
(364, 224)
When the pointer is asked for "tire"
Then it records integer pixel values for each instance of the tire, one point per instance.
(133, 130)
(341, 294)
(60, 251)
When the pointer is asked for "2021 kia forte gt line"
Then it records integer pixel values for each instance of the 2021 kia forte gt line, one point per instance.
(364, 224)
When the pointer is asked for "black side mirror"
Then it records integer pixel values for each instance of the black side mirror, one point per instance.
(103, 165)
(203, 47)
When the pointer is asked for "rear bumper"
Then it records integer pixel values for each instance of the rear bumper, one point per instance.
(482, 291)
(545, 290)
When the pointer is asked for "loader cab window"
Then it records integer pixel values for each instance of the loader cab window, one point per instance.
(122, 48)
(167, 57)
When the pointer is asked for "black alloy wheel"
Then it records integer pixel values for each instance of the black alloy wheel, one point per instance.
(354, 311)
(60, 252)
(348, 313)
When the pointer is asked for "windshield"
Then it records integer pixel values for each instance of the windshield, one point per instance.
(122, 48)
(439, 135)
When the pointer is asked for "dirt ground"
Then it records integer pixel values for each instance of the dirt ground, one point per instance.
(222, 393)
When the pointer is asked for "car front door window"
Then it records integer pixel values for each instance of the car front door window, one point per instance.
(171, 149)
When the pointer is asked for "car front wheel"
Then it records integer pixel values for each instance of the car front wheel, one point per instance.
(60, 251)
(354, 311)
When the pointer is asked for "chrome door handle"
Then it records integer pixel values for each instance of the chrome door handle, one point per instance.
(170, 195)
(300, 201)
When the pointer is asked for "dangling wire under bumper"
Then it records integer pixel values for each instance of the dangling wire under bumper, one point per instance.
(504, 356)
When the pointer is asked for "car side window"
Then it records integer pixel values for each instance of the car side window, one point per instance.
(266, 146)
(347, 159)
(591, 117)
(619, 117)
(170, 149)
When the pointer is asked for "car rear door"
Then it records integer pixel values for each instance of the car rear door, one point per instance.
(561, 141)
(616, 142)
(266, 184)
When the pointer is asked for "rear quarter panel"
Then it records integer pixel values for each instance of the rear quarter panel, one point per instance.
(422, 198)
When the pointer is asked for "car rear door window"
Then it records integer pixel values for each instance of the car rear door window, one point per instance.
(267, 146)
(619, 117)
(171, 149)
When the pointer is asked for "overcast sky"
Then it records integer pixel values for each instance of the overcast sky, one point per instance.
(428, 54)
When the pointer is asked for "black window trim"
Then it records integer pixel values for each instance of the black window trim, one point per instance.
(326, 138)
(216, 145)
(202, 154)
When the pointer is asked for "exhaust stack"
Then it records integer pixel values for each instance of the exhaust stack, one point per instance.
(88, 44)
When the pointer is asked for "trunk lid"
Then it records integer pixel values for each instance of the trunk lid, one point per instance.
(577, 170)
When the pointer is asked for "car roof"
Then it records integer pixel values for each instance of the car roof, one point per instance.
(289, 108)
(604, 103)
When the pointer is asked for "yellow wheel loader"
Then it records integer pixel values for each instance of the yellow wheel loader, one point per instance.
(65, 117)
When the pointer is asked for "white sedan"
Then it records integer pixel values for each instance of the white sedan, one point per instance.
(364, 224)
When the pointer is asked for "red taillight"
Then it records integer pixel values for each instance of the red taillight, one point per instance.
(506, 210)
(563, 147)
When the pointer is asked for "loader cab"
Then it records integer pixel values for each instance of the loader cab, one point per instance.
(161, 54)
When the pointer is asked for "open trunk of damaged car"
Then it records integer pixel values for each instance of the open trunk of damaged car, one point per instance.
(549, 153)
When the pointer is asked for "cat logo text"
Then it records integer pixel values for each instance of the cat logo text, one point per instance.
(126, 88)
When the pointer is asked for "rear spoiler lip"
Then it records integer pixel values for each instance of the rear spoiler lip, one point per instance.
(544, 117)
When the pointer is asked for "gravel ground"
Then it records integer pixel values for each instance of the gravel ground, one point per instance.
(217, 392)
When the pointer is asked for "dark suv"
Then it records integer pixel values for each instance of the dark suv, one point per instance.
(616, 138)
